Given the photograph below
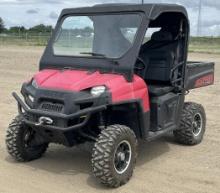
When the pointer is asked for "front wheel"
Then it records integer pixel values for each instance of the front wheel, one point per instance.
(192, 125)
(114, 155)
(22, 142)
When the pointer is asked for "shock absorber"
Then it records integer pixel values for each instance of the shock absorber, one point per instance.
(101, 121)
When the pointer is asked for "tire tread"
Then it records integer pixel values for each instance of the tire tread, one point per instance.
(102, 155)
(12, 141)
(184, 134)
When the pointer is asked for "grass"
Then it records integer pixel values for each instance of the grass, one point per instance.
(197, 44)
(25, 40)
(205, 45)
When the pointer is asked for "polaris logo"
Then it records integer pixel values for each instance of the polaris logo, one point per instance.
(205, 81)
(44, 121)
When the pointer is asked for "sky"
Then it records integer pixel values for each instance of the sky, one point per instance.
(33, 12)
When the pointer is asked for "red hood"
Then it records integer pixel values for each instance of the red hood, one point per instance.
(76, 80)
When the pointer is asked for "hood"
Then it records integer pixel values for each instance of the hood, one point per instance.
(75, 80)
(78, 80)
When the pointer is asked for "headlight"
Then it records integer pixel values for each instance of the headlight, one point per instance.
(34, 83)
(98, 90)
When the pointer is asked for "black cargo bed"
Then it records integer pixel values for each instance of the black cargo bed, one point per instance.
(199, 74)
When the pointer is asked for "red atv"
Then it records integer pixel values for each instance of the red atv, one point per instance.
(103, 80)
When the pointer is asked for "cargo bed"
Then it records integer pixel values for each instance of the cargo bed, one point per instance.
(199, 74)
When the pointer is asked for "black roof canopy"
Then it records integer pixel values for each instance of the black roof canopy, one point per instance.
(152, 11)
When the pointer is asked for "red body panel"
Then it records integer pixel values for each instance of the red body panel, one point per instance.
(76, 80)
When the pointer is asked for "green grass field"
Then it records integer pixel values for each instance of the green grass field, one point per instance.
(205, 45)
(200, 44)
(24, 39)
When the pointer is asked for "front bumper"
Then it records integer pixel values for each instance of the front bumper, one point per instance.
(84, 114)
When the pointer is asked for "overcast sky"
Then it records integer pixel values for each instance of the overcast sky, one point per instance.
(32, 12)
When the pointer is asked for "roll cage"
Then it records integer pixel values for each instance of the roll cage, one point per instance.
(153, 15)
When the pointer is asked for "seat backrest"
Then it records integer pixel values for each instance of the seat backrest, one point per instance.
(159, 54)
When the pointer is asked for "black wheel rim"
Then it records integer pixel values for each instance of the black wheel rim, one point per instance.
(29, 139)
(197, 124)
(122, 157)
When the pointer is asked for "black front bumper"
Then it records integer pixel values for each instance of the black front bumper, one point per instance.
(85, 113)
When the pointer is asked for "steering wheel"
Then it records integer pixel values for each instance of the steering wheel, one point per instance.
(141, 64)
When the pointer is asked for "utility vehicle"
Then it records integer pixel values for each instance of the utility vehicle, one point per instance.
(102, 79)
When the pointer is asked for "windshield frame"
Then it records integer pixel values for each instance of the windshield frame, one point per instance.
(123, 66)
(62, 19)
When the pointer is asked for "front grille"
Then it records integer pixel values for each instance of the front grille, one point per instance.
(52, 107)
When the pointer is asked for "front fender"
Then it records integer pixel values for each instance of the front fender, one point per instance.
(127, 91)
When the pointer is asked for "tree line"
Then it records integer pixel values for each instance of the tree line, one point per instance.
(41, 28)
(44, 29)
(2, 26)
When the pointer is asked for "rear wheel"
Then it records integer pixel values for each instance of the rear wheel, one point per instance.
(22, 142)
(192, 125)
(114, 155)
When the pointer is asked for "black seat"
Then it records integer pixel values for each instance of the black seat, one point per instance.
(159, 54)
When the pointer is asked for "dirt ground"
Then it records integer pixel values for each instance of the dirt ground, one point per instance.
(162, 167)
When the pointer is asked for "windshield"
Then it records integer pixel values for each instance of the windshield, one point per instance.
(108, 36)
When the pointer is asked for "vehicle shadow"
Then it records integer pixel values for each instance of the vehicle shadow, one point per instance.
(148, 151)
(61, 160)
(74, 161)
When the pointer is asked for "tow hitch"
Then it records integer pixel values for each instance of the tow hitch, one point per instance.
(44, 121)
